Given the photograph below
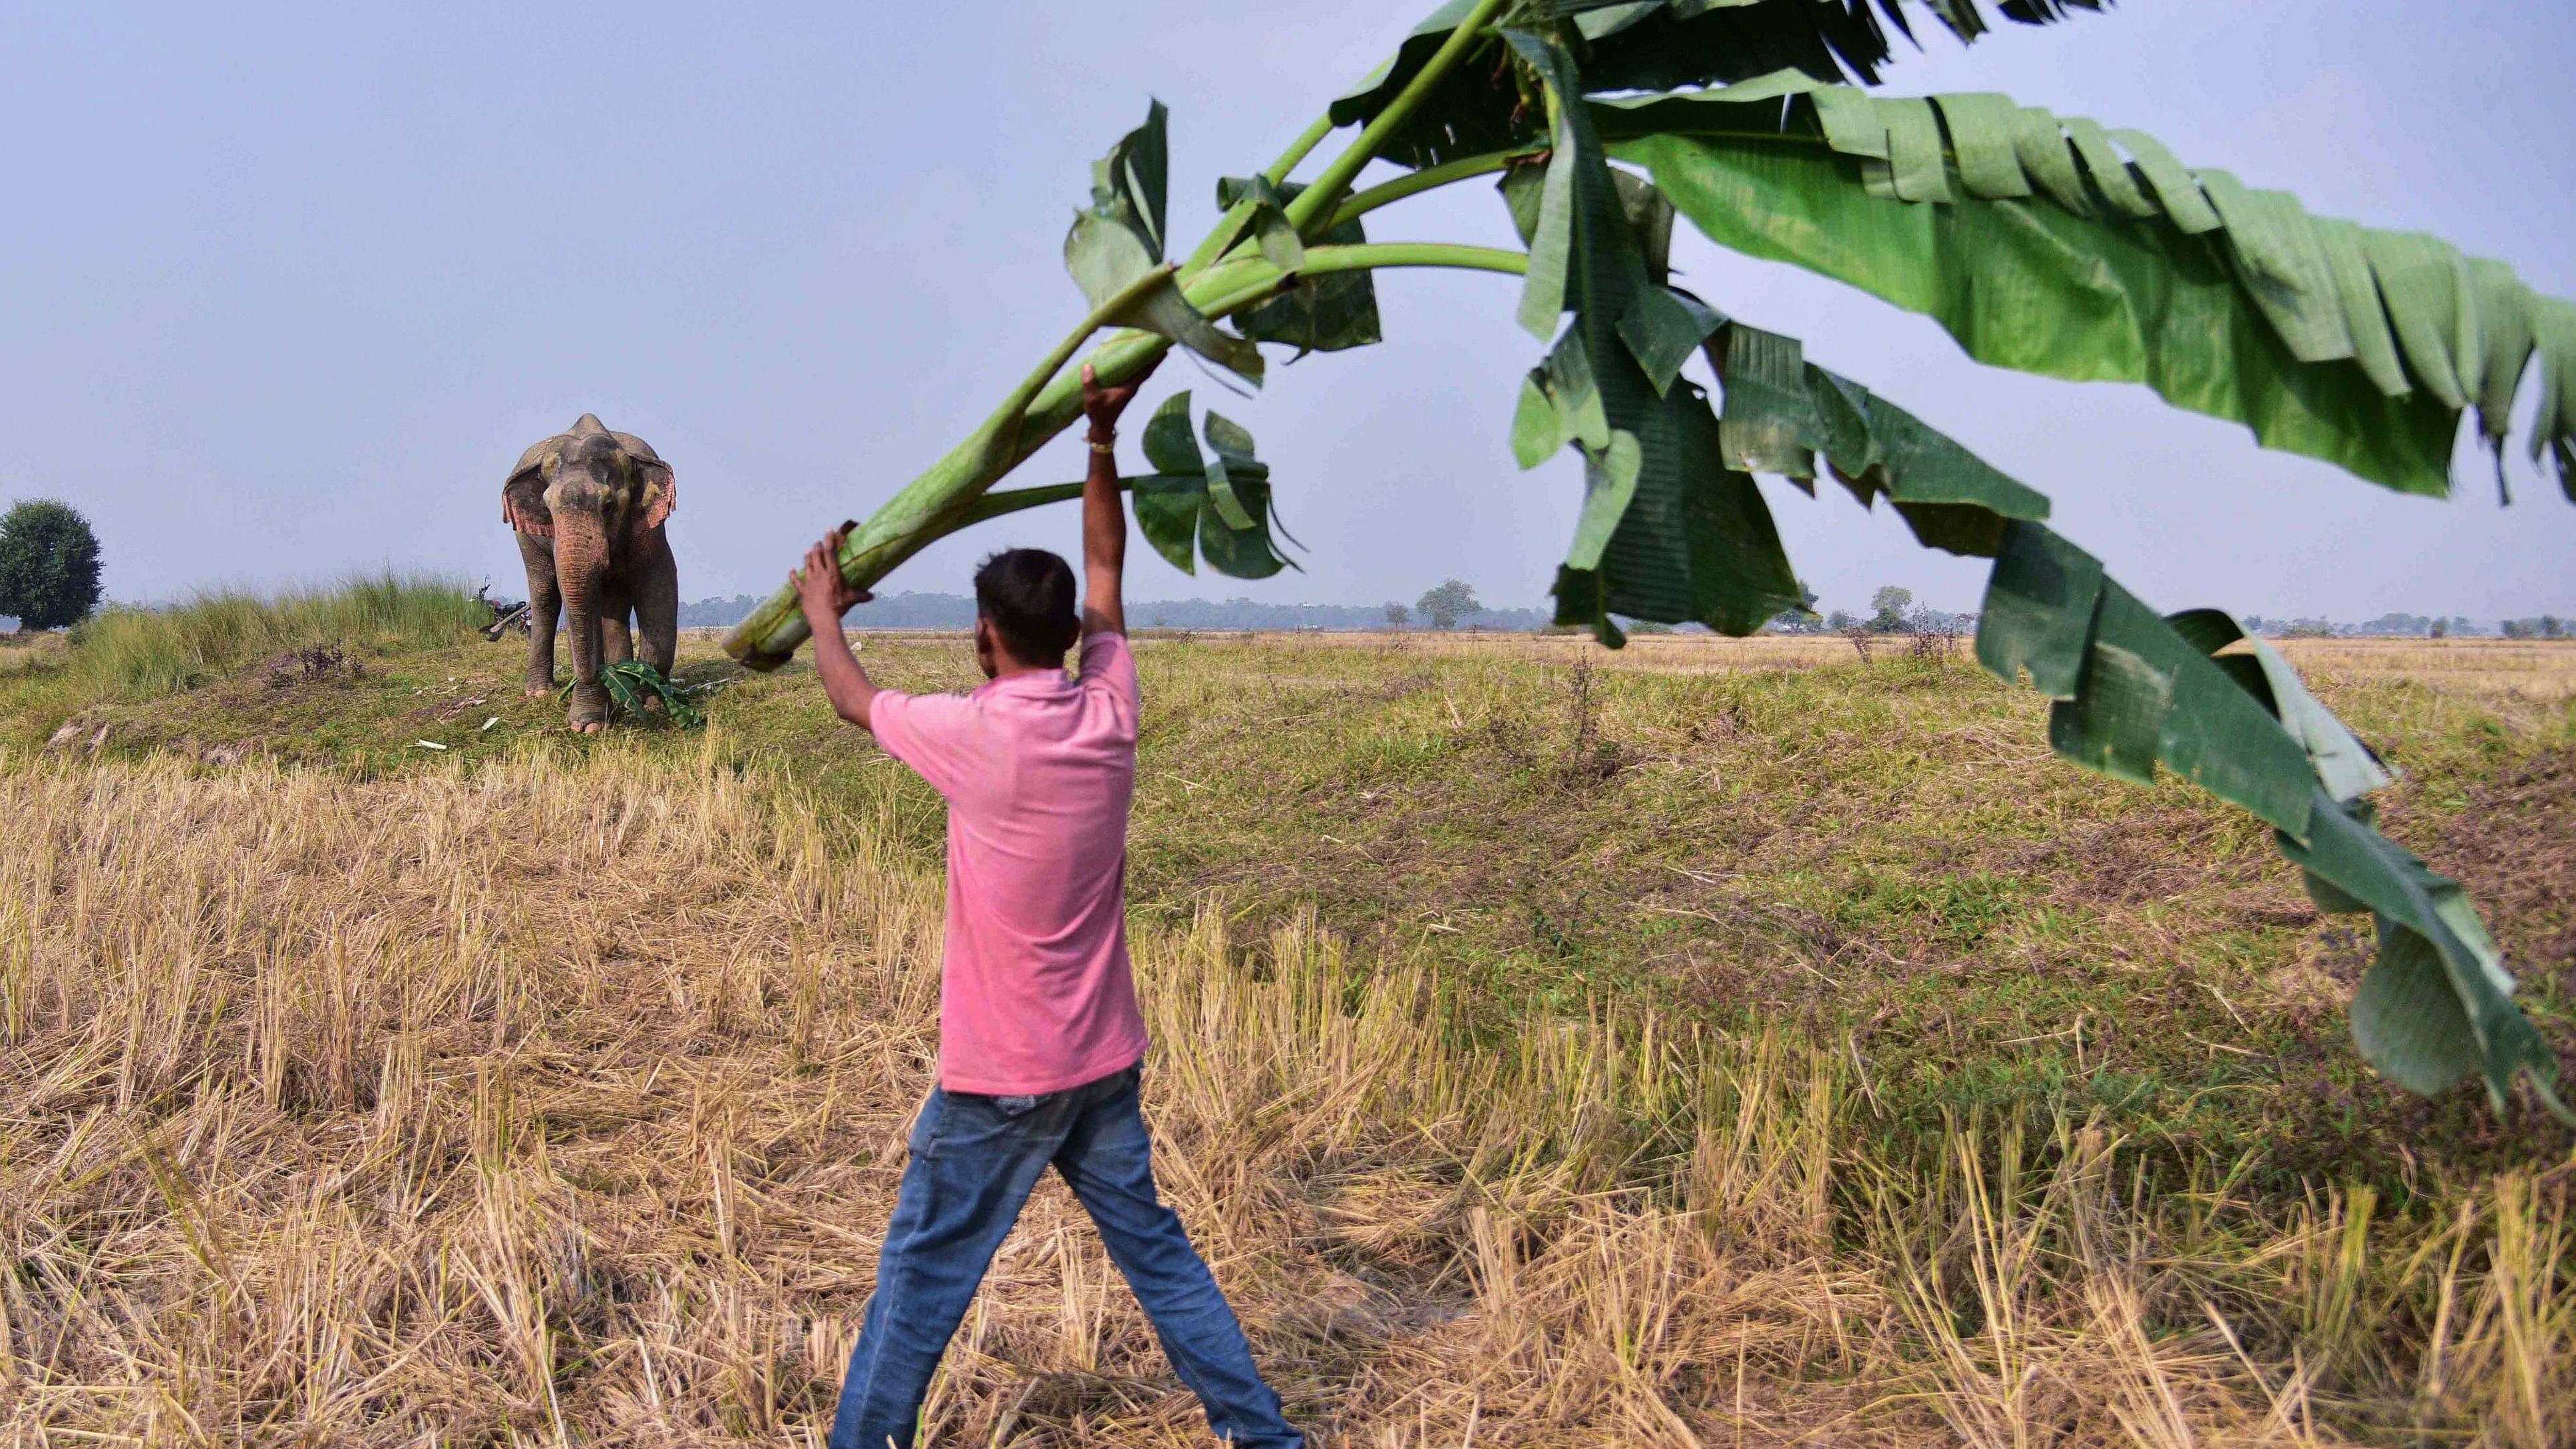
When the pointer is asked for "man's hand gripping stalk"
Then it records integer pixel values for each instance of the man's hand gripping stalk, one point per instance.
(824, 596)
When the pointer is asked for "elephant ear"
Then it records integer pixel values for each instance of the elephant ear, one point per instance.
(661, 493)
(661, 489)
(523, 497)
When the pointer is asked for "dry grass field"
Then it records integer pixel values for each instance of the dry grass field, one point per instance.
(1698, 1050)
(21, 652)
(2531, 669)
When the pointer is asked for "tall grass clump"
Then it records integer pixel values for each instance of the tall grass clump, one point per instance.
(137, 653)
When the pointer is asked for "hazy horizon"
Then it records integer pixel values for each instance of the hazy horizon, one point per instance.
(291, 289)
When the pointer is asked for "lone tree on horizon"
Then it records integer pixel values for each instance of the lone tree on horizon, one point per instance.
(1887, 609)
(1451, 601)
(48, 565)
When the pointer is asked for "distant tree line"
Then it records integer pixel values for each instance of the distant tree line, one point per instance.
(2544, 626)
(1452, 604)
(957, 611)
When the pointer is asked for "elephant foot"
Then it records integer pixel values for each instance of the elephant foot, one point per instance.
(589, 712)
(540, 691)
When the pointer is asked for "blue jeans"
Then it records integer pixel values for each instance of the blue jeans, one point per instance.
(974, 1159)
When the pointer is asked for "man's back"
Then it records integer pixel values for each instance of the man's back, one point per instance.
(1038, 770)
(1041, 1045)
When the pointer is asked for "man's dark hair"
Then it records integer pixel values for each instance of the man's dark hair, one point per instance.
(1027, 593)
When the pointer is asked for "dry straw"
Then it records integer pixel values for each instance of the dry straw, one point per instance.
(327, 1122)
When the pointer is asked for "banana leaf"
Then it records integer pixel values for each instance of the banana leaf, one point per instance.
(2135, 691)
(1117, 243)
(1643, 45)
(1215, 505)
(632, 683)
(1329, 313)
(1667, 531)
(2041, 247)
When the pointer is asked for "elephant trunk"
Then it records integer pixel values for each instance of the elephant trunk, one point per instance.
(581, 564)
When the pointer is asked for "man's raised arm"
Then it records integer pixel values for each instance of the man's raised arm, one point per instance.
(1104, 518)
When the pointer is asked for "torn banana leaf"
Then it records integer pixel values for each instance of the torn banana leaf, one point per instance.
(1329, 313)
(1117, 242)
(2134, 692)
(1272, 231)
(2436, 1003)
(1781, 410)
(1667, 531)
(1643, 45)
(2041, 246)
(1215, 505)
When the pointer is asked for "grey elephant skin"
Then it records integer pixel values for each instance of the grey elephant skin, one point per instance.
(588, 506)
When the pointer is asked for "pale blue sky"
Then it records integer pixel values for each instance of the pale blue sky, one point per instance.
(284, 290)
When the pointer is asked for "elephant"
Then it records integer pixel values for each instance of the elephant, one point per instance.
(588, 506)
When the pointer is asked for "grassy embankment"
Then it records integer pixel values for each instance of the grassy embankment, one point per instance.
(129, 656)
(1545, 1054)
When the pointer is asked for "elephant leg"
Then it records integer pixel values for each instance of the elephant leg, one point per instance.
(545, 601)
(582, 590)
(616, 603)
(656, 590)
(589, 709)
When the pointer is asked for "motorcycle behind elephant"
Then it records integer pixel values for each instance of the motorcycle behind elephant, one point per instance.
(588, 506)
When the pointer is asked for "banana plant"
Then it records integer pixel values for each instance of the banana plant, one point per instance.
(2045, 243)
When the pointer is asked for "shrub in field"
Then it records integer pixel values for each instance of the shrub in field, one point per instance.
(48, 565)
(1448, 602)
(2041, 242)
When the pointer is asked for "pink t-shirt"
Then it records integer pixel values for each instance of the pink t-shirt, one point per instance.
(1038, 770)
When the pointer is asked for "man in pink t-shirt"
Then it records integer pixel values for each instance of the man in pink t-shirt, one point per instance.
(1040, 1041)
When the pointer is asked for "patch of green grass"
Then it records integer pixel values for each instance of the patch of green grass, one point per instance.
(125, 655)
(1963, 909)
(133, 653)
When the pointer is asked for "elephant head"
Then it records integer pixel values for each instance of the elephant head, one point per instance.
(610, 488)
(590, 505)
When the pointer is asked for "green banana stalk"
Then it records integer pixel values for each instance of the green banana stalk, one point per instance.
(2049, 244)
